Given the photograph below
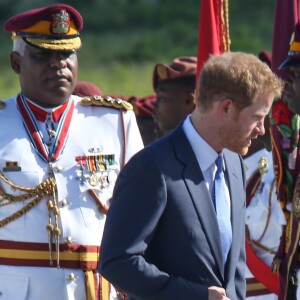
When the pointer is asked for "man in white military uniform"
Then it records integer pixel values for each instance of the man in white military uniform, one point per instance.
(264, 220)
(59, 159)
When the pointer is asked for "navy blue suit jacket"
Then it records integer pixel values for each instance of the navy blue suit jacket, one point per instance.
(161, 238)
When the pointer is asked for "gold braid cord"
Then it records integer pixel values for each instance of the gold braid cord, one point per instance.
(225, 25)
(46, 188)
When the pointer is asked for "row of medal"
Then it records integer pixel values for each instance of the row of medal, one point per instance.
(98, 171)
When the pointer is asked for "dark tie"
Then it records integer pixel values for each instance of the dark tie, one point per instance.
(222, 209)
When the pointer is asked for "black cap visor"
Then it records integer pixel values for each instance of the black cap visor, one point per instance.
(290, 62)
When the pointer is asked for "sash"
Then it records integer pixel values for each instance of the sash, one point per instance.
(252, 186)
(255, 288)
(261, 271)
(85, 257)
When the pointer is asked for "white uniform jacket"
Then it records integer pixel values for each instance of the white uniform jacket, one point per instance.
(93, 131)
(258, 211)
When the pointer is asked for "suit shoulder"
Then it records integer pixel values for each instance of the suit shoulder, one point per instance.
(99, 101)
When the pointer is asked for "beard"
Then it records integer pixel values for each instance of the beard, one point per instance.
(235, 140)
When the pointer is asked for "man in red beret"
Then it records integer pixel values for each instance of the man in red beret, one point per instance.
(174, 85)
(143, 108)
(60, 156)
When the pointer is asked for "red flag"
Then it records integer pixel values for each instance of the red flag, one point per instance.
(213, 35)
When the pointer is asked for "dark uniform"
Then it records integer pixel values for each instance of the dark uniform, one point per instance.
(285, 129)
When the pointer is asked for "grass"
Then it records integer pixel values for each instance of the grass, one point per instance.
(130, 79)
(119, 55)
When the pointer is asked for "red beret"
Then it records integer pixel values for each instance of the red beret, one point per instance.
(86, 88)
(180, 67)
(54, 27)
(293, 59)
(143, 107)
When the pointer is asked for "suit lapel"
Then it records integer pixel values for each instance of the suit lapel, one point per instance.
(195, 183)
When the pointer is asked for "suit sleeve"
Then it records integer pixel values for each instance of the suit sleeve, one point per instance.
(240, 275)
(138, 202)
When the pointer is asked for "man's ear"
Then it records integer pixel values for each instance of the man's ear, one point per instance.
(224, 106)
(189, 102)
(15, 62)
(190, 98)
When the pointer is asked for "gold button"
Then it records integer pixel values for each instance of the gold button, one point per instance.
(63, 203)
(58, 169)
(72, 277)
(69, 240)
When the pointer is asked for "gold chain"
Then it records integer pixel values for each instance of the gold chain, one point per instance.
(46, 188)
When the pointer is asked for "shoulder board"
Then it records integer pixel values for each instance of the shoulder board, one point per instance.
(106, 102)
(2, 104)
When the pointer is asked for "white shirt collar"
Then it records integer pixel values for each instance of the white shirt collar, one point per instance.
(205, 154)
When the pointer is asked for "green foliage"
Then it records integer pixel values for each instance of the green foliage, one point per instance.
(124, 39)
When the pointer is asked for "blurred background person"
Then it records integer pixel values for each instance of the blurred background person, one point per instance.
(143, 109)
(286, 129)
(174, 85)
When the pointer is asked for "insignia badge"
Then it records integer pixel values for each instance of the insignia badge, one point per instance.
(60, 22)
(94, 180)
(94, 150)
(104, 180)
(11, 166)
(296, 206)
(262, 165)
(162, 72)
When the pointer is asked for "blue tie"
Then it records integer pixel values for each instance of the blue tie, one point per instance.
(222, 209)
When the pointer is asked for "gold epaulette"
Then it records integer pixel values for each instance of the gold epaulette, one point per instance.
(2, 104)
(106, 101)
